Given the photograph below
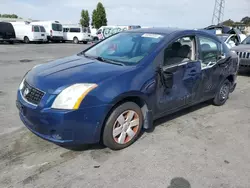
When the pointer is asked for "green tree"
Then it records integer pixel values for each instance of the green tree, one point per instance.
(9, 16)
(93, 18)
(246, 20)
(228, 23)
(84, 21)
(99, 16)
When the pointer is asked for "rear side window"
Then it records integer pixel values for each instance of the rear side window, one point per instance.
(75, 30)
(42, 29)
(57, 27)
(209, 50)
(36, 28)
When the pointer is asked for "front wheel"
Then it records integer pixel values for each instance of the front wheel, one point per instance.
(75, 40)
(222, 94)
(123, 126)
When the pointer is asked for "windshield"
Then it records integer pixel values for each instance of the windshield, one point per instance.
(246, 41)
(56, 27)
(128, 48)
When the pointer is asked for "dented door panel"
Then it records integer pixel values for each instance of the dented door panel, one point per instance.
(186, 81)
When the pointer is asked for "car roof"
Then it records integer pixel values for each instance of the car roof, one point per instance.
(170, 30)
(158, 30)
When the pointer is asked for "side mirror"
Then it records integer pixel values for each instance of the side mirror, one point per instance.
(237, 43)
(168, 79)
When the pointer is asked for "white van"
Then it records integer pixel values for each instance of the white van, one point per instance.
(27, 32)
(54, 30)
(76, 34)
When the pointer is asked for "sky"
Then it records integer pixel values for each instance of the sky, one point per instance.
(172, 13)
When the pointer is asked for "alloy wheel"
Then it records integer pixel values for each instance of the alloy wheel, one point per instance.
(126, 126)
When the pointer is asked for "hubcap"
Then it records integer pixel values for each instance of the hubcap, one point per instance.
(126, 126)
(224, 92)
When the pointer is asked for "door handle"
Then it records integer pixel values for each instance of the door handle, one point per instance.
(192, 73)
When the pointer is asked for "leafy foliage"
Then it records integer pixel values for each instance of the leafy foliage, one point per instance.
(99, 16)
(84, 21)
(8, 16)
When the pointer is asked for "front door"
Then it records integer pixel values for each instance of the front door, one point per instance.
(180, 77)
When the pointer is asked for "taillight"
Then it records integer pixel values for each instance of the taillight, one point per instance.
(50, 32)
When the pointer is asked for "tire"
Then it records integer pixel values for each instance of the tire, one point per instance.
(26, 40)
(85, 42)
(123, 112)
(75, 40)
(223, 93)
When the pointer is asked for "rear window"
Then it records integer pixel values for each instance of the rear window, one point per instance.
(42, 29)
(36, 29)
(75, 30)
(56, 27)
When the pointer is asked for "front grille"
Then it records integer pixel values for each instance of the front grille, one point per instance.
(31, 94)
(244, 55)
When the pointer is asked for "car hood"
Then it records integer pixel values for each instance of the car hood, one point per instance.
(61, 73)
(242, 47)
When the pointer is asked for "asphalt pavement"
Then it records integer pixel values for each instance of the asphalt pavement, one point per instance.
(201, 147)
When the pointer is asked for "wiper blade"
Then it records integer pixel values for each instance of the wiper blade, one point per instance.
(99, 58)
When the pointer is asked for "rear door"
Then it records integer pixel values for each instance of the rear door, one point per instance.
(210, 52)
(43, 32)
(36, 33)
(57, 30)
(181, 73)
(7, 31)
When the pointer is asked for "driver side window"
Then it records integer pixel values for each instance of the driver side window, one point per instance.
(181, 50)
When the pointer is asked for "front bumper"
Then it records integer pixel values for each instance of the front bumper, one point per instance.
(244, 63)
(64, 127)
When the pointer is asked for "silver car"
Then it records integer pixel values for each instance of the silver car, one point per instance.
(243, 51)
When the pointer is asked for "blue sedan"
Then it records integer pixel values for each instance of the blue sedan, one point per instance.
(111, 91)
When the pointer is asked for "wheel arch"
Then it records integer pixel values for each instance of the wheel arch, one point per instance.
(141, 101)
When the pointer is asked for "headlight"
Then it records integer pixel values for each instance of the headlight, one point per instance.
(36, 66)
(72, 96)
(22, 84)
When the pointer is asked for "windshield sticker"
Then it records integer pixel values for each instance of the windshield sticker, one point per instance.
(151, 35)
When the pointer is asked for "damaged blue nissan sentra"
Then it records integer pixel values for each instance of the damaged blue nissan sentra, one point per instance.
(111, 91)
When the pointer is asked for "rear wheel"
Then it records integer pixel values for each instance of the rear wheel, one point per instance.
(26, 40)
(85, 42)
(75, 40)
(222, 94)
(123, 126)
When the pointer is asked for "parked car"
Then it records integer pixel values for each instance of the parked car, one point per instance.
(27, 32)
(94, 36)
(230, 40)
(243, 51)
(222, 29)
(54, 30)
(116, 87)
(106, 31)
(76, 34)
(7, 33)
